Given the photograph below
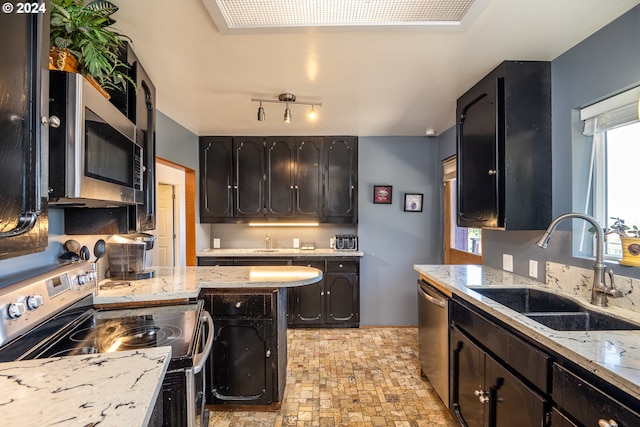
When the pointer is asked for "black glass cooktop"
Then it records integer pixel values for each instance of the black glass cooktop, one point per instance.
(108, 331)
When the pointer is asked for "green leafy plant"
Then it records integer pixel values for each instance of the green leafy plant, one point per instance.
(623, 230)
(83, 30)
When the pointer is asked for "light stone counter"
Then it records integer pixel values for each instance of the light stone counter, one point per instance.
(175, 283)
(612, 355)
(280, 252)
(108, 389)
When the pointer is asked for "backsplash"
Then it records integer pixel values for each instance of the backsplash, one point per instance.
(578, 281)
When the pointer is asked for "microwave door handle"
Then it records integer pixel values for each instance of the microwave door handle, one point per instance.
(200, 358)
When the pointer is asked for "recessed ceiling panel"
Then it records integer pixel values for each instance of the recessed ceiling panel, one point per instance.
(232, 15)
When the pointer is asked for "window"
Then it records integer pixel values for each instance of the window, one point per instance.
(461, 245)
(614, 128)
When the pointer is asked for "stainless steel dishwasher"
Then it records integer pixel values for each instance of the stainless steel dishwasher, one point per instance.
(433, 337)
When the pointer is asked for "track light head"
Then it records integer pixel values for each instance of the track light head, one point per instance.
(261, 115)
(287, 114)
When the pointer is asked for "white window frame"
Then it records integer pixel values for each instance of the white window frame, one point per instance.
(619, 110)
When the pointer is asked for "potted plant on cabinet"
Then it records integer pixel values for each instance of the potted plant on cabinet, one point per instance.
(630, 240)
(81, 32)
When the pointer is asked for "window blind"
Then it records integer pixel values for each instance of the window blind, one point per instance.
(618, 110)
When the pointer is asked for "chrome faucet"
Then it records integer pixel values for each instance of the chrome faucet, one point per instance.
(268, 241)
(599, 290)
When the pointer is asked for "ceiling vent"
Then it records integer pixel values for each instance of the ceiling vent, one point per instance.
(252, 16)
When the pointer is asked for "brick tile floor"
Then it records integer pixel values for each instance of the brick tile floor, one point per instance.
(350, 377)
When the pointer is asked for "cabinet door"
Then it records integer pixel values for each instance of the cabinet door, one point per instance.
(511, 402)
(280, 173)
(144, 216)
(467, 381)
(242, 371)
(249, 170)
(308, 176)
(477, 157)
(307, 303)
(340, 180)
(24, 99)
(342, 298)
(216, 178)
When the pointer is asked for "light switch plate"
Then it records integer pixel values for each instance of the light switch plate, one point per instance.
(533, 268)
(216, 243)
(296, 243)
(507, 262)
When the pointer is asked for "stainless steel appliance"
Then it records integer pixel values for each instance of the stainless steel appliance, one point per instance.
(433, 338)
(346, 242)
(127, 256)
(52, 314)
(94, 160)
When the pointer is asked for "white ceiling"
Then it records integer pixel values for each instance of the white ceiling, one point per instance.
(370, 83)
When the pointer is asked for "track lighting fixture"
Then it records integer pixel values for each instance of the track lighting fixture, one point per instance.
(286, 98)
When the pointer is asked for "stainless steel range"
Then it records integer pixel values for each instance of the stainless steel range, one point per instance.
(52, 314)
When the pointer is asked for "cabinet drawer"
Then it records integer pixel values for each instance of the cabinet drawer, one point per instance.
(342, 266)
(232, 304)
(213, 262)
(319, 264)
(587, 403)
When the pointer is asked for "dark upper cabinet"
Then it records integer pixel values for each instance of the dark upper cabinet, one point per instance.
(280, 172)
(143, 217)
(249, 176)
(216, 178)
(340, 180)
(23, 104)
(243, 178)
(308, 176)
(504, 149)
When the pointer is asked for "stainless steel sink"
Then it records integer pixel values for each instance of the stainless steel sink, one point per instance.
(555, 311)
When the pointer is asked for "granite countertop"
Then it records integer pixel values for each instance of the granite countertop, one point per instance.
(108, 389)
(612, 355)
(174, 283)
(279, 252)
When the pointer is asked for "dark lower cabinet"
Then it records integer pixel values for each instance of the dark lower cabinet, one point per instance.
(247, 364)
(486, 394)
(582, 400)
(332, 302)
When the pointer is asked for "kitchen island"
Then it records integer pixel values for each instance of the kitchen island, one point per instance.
(115, 389)
(600, 362)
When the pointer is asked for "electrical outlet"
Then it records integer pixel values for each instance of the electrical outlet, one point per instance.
(533, 268)
(332, 243)
(507, 262)
(216, 243)
(296, 243)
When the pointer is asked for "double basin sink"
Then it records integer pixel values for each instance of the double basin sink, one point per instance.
(555, 311)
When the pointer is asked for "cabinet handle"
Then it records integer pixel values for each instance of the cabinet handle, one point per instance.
(228, 187)
(341, 265)
(328, 292)
(492, 172)
(268, 354)
(238, 304)
(604, 423)
(483, 396)
(321, 293)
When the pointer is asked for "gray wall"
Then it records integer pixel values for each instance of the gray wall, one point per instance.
(394, 240)
(604, 64)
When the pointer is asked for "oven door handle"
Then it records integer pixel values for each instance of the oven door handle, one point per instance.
(200, 358)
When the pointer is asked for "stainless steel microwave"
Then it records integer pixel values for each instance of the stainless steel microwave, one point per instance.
(94, 160)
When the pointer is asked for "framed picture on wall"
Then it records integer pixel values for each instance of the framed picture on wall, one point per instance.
(382, 194)
(413, 202)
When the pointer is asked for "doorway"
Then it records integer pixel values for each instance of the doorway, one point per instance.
(165, 226)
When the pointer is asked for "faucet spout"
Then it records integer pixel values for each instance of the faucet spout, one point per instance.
(599, 290)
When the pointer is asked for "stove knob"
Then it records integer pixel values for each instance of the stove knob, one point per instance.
(34, 301)
(82, 279)
(16, 310)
